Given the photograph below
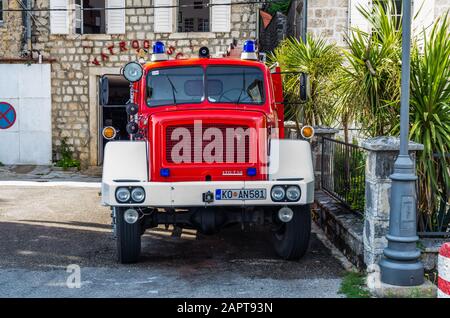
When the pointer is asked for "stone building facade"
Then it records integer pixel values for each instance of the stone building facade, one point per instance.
(332, 18)
(78, 60)
(11, 31)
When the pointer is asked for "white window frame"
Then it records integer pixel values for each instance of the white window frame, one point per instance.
(78, 11)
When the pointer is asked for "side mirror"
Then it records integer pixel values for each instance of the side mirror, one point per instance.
(104, 90)
(304, 87)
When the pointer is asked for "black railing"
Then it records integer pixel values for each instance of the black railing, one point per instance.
(343, 173)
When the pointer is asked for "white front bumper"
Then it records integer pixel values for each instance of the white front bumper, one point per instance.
(190, 194)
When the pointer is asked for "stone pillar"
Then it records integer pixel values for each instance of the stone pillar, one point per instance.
(382, 152)
(316, 145)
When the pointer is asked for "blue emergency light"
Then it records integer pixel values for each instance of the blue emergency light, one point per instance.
(159, 52)
(158, 47)
(249, 46)
(249, 51)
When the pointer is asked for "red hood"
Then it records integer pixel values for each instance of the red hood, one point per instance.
(199, 145)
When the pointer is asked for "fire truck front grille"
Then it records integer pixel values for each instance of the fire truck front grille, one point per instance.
(235, 144)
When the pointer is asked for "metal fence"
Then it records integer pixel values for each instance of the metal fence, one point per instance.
(343, 173)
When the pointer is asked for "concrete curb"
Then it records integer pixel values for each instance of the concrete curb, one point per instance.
(382, 290)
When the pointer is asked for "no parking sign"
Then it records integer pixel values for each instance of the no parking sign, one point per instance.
(7, 115)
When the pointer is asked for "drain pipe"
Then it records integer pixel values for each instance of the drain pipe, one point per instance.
(26, 18)
(28, 25)
(305, 20)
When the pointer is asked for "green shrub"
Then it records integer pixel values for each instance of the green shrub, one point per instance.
(67, 160)
(279, 6)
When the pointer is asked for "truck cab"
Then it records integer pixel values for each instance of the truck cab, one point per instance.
(206, 151)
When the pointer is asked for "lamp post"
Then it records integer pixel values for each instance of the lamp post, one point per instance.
(401, 265)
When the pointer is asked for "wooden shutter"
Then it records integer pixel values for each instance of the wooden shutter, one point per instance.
(115, 19)
(423, 15)
(220, 16)
(356, 19)
(59, 20)
(163, 17)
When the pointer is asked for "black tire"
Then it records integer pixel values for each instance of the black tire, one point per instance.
(291, 240)
(128, 239)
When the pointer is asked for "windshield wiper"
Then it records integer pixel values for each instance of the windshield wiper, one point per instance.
(174, 90)
(243, 87)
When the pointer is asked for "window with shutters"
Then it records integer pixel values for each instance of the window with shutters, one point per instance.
(193, 16)
(90, 17)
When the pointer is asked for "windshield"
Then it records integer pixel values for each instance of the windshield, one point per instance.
(180, 85)
(186, 85)
(235, 85)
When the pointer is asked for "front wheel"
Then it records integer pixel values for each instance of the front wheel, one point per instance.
(291, 239)
(128, 238)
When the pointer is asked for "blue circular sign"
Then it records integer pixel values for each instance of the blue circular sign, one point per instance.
(7, 115)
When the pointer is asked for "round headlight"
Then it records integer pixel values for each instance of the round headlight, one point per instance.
(285, 214)
(138, 194)
(123, 195)
(131, 216)
(277, 193)
(133, 72)
(293, 193)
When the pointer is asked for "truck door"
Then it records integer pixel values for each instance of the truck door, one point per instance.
(114, 93)
(279, 98)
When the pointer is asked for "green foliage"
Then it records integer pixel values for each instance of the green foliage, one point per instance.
(361, 85)
(353, 286)
(430, 124)
(1, 164)
(279, 6)
(319, 60)
(370, 94)
(370, 78)
(67, 160)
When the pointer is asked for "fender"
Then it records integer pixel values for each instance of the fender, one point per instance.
(291, 159)
(126, 160)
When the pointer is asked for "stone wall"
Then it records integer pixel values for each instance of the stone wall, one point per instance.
(73, 68)
(328, 18)
(441, 6)
(11, 31)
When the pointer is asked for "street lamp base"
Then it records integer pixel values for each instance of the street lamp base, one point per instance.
(401, 273)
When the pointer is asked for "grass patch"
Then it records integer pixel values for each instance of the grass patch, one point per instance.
(354, 285)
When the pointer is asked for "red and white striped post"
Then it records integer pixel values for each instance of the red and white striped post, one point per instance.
(444, 271)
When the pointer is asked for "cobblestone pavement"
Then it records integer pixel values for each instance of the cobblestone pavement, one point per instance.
(43, 229)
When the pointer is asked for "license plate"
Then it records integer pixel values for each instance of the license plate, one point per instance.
(240, 194)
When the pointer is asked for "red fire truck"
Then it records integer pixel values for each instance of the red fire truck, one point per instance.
(206, 151)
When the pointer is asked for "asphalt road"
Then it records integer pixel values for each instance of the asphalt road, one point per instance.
(45, 229)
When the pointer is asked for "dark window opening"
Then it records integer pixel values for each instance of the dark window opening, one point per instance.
(193, 16)
(1, 12)
(90, 17)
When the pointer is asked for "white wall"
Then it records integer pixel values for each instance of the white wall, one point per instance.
(27, 89)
